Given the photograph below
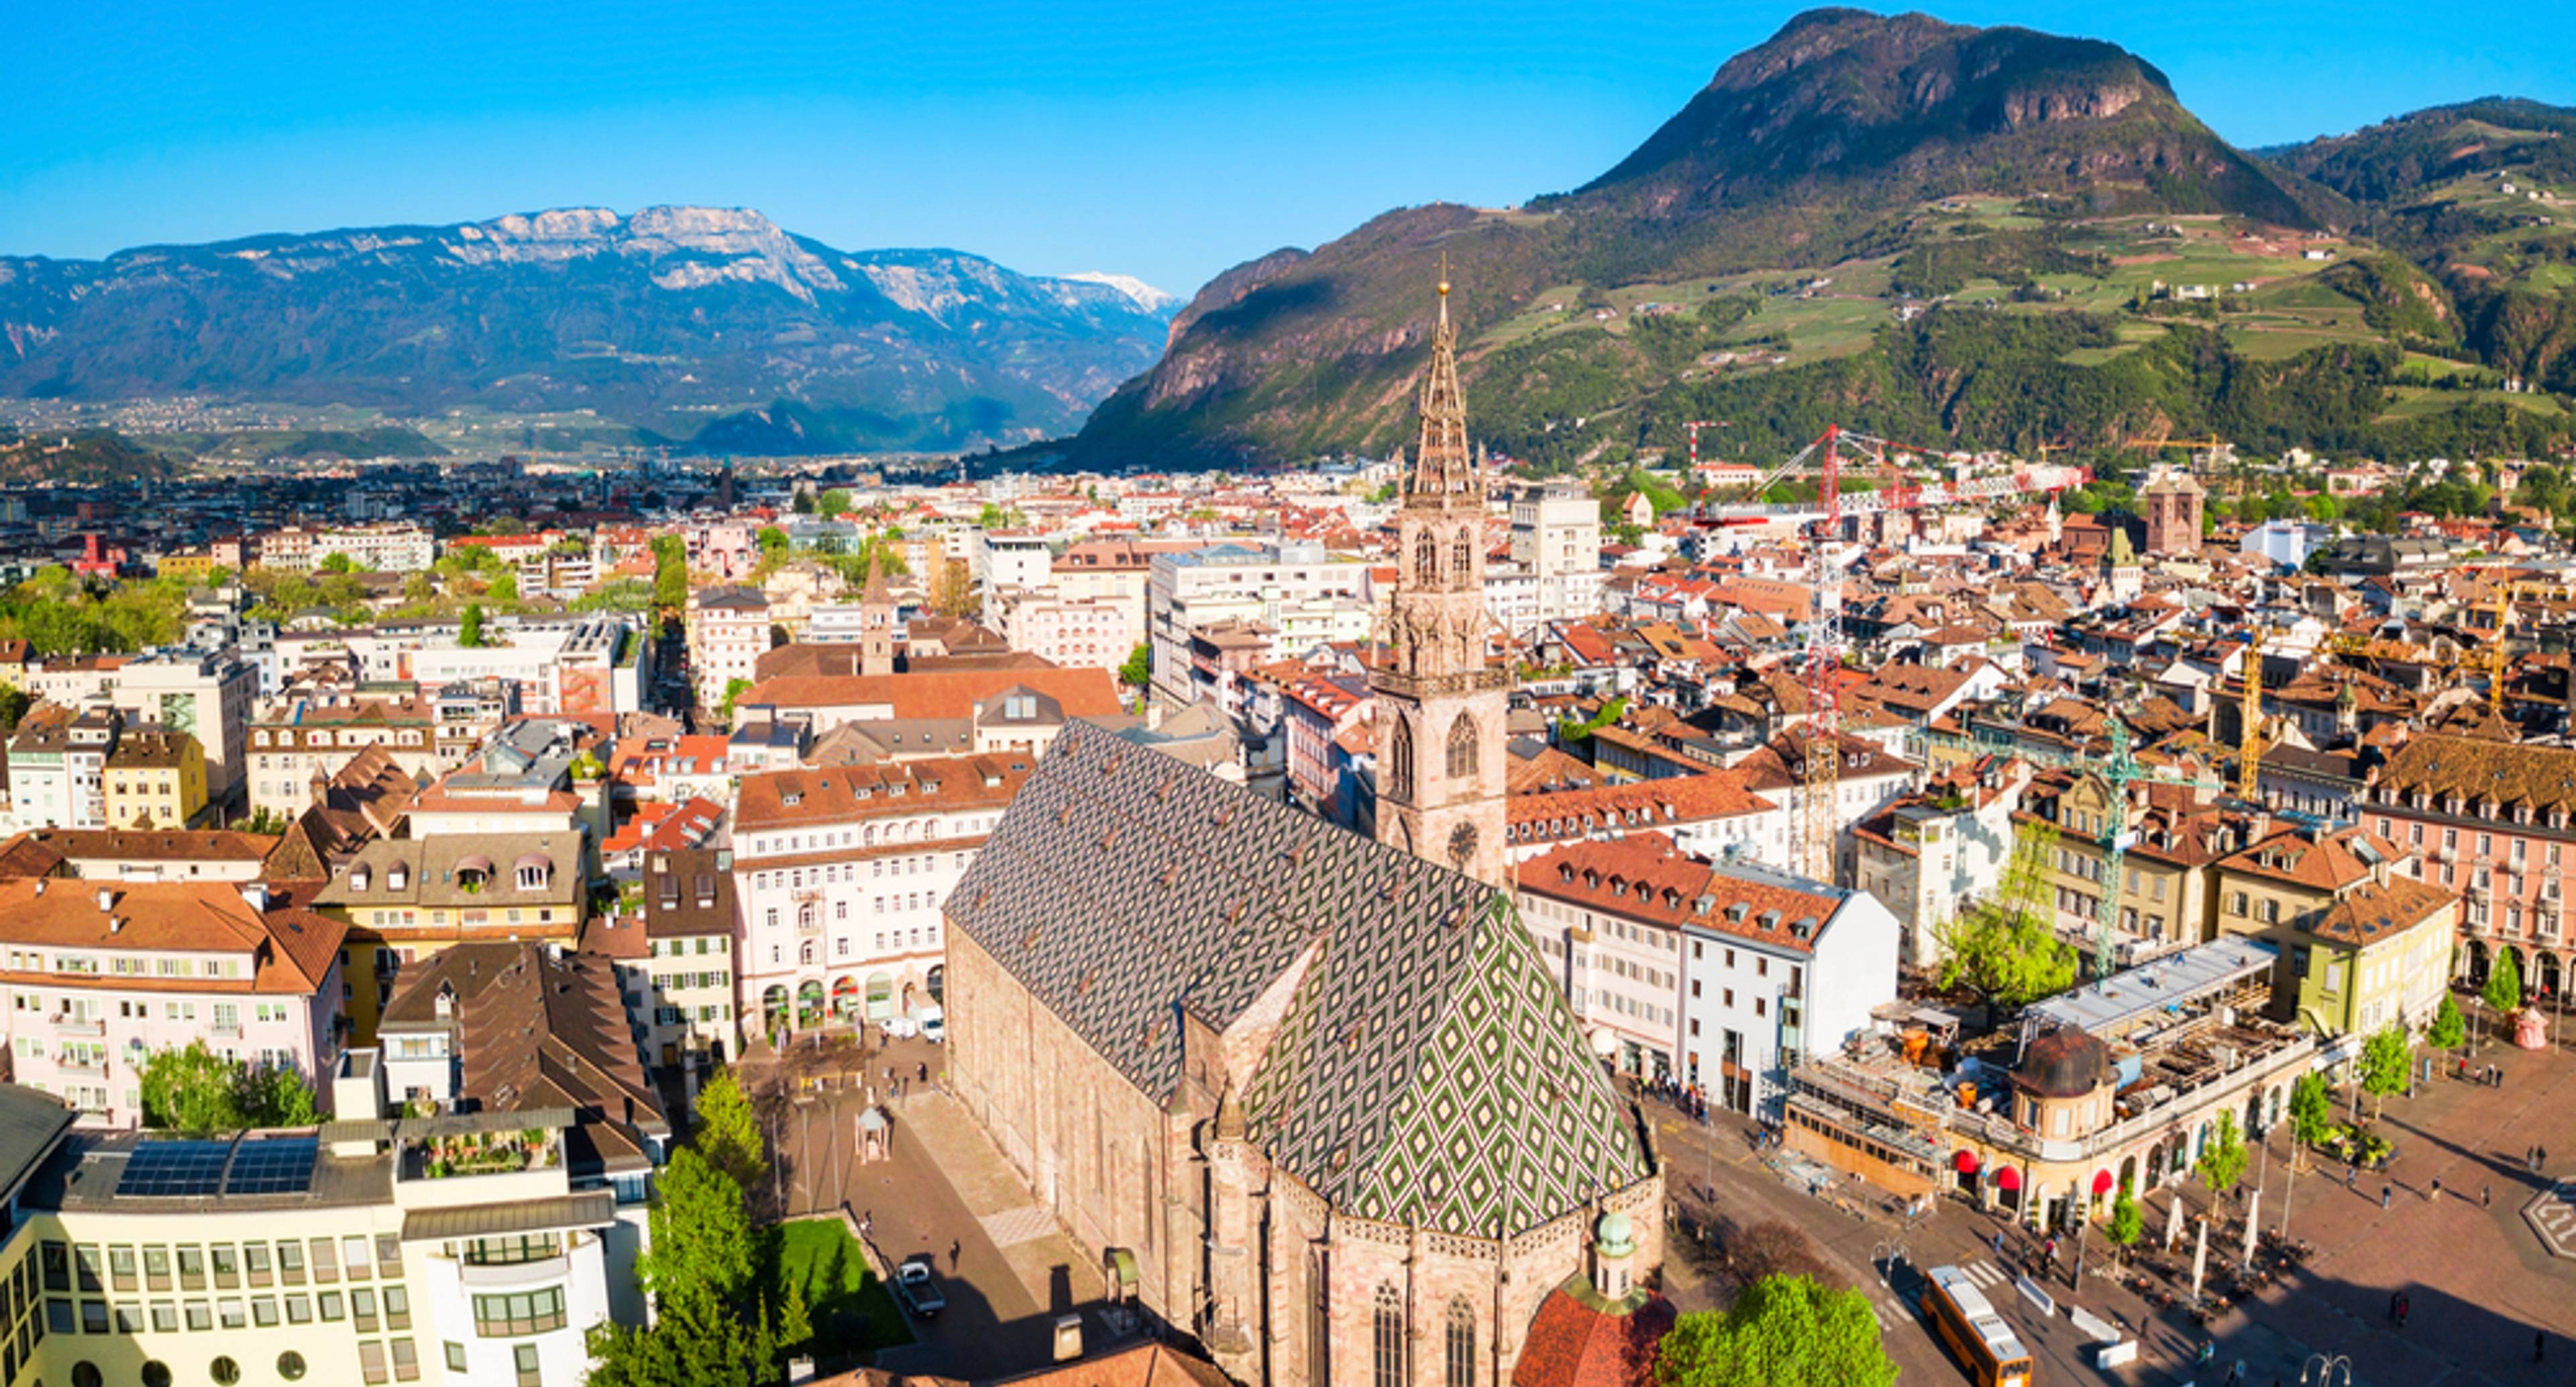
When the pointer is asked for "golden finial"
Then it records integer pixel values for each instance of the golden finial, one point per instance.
(1444, 274)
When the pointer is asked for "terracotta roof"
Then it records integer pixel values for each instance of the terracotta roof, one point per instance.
(2328, 862)
(1644, 877)
(139, 845)
(1576, 1340)
(294, 948)
(1085, 693)
(2478, 770)
(776, 799)
(2374, 912)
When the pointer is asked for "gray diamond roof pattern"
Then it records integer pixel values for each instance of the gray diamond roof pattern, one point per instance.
(1427, 1071)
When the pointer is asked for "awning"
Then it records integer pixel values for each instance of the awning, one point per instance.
(588, 1209)
(2101, 1183)
(1965, 1162)
(2008, 1179)
(1122, 1265)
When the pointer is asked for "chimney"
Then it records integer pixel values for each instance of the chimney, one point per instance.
(106, 899)
(256, 893)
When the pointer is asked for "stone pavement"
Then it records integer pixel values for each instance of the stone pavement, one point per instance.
(2478, 1277)
(944, 1185)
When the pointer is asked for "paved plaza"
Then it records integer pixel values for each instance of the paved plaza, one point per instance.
(2472, 1262)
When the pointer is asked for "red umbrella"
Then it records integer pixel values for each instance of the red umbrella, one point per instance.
(2101, 1183)
(1965, 1162)
(2009, 1179)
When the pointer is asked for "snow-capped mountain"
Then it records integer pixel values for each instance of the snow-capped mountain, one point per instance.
(1146, 296)
(664, 319)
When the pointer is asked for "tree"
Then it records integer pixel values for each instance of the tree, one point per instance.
(734, 688)
(2384, 1061)
(955, 595)
(2503, 991)
(728, 1132)
(1783, 1331)
(803, 503)
(192, 1089)
(834, 504)
(339, 563)
(2222, 1157)
(2450, 1029)
(1138, 671)
(716, 1320)
(670, 573)
(504, 588)
(2003, 948)
(2311, 1111)
(2128, 1221)
(469, 632)
(15, 701)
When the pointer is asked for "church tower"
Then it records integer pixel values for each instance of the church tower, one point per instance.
(1440, 704)
(876, 618)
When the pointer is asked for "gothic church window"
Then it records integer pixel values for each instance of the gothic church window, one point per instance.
(1461, 555)
(1388, 1339)
(1462, 1344)
(1319, 1323)
(1399, 760)
(1426, 557)
(1462, 748)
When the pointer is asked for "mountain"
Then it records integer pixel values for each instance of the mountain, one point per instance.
(675, 319)
(85, 457)
(1995, 236)
(2475, 205)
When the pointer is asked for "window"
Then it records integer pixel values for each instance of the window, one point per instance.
(1462, 1344)
(1387, 1339)
(455, 1356)
(406, 1361)
(1462, 748)
(224, 1371)
(290, 1365)
(1319, 1322)
(371, 1361)
(527, 1364)
(510, 1316)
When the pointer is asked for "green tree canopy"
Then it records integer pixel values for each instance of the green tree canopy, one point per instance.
(1782, 1331)
(2384, 1059)
(717, 1321)
(469, 631)
(504, 588)
(192, 1089)
(2222, 1157)
(728, 1132)
(2504, 983)
(339, 563)
(2003, 947)
(734, 688)
(2450, 1029)
(834, 504)
(670, 573)
(2128, 1221)
(1138, 670)
(2311, 1110)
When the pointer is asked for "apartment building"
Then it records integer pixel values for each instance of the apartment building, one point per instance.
(1010, 559)
(155, 778)
(1715, 974)
(365, 1253)
(1118, 572)
(58, 768)
(1061, 630)
(2488, 821)
(1556, 541)
(207, 694)
(727, 630)
(406, 899)
(298, 740)
(102, 974)
(382, 548)
(688, 967)
(1295, 592)
(838, 873)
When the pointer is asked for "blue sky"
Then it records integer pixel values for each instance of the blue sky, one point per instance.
(1162, 140)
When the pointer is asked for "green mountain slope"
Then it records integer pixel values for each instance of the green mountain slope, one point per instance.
(1989, 236)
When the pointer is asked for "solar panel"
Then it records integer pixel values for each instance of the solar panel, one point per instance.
(175, 1169)
(275, 1165)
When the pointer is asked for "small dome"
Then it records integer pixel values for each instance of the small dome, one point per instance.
(1614, 1235)
(2063, 1063)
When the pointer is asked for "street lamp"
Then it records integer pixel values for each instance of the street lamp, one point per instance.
(1885, 1255)
(2324, 1365)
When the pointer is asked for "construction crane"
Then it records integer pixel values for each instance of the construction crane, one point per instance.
(1821, 776)
(2249, 738)
(1692, 429)
(2121, 770)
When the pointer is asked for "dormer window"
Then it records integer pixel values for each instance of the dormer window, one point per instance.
(358, 878)
(533, 871)
(397, 877)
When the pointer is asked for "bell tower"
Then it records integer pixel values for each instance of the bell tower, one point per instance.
(1441, 704)
(876, 618)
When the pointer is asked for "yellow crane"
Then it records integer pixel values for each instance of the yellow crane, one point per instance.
(2249, 740)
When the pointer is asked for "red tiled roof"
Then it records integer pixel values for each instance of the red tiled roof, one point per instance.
(1084, 693)
(1571, 1343)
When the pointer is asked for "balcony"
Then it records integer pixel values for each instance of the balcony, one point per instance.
(79, 1025)
(499, 1274)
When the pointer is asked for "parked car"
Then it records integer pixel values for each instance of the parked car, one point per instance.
(917, 1287)
(901, 1027)
(931, 1019)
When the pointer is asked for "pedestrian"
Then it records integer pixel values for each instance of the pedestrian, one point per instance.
(2437, 1188)
(954, 1248)
(2385, 1192)
(867, 1221)
(2392, 1305)
(2404, 1304)
(2351, 1174)
(2486, 1196)
(2236, 1373)
(924, 1074)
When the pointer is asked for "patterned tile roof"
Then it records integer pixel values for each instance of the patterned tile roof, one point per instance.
(1427, 1071)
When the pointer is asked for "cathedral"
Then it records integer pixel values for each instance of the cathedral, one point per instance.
(1314, 1098)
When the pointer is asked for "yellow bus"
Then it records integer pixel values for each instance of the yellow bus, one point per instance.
(1967, 1322)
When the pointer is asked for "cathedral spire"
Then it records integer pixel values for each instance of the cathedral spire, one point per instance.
(1444, 470)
